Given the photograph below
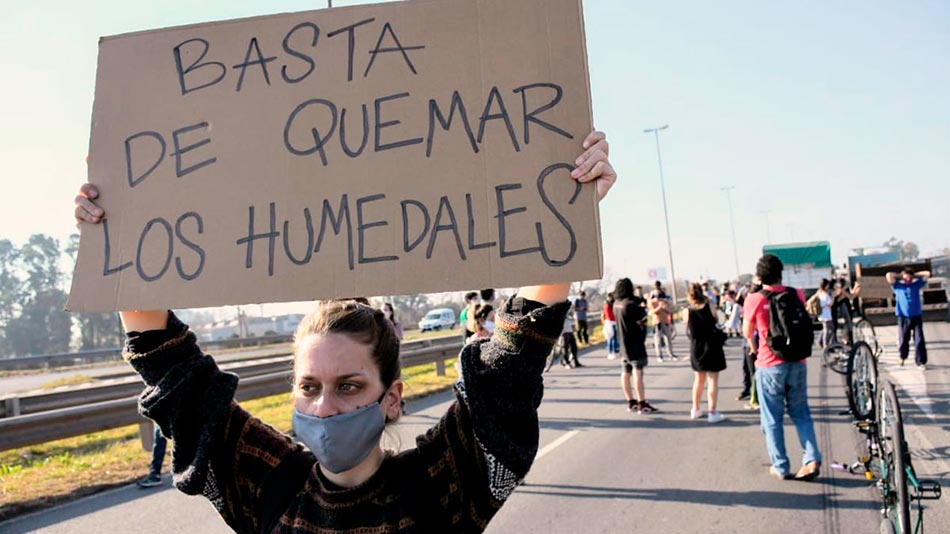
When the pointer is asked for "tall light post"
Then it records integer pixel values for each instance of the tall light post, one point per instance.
(666, 216)
(768, 228)
(732, 225)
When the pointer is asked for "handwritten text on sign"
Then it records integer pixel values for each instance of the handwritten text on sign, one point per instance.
(420, 146)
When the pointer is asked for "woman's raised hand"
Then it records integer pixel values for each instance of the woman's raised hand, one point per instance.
(593, 164)
(86, 208)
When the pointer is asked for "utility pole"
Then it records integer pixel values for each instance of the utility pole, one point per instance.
(666, 216)
(732, 225)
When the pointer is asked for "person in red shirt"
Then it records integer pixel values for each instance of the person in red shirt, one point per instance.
(609, 320)
(779, 384)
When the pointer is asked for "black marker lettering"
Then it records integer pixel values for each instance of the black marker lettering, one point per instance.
(290, 255)
(398, 48)
(360, 227)
(502, 214)
(304, 57)
(380, 125)
(195, 66)
(106, 270)
(180, 151)
(471, 226)
(261, 60)
(190, 244)
(532, 116)
(406, 245)
(453, 225)
(351, 31)
(135, 180)
(346, 148)
(337, 224)
(564, 222)
(435, 114)
(271, 237)
(494, 95)
(169, 245)
(319, 142)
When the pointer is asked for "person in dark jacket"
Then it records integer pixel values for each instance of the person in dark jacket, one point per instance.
(346, 389)
(631, 315)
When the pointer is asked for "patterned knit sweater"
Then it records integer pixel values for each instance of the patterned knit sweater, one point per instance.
(471, 460)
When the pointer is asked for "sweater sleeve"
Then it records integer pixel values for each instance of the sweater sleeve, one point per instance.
(220, 451)
(486, 442)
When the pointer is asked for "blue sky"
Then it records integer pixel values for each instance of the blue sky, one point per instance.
(834, 116)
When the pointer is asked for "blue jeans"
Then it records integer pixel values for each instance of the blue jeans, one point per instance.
(158, 452)
(780, 386)
(613, 345)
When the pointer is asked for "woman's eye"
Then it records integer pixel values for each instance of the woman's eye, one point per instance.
(348, 388)
(308, 388)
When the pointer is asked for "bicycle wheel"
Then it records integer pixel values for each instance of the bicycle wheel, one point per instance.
(836, 358)
(894, 455)
(862, 382)
(864, 331)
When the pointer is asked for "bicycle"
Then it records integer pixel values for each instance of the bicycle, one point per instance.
(861, 382)
(863, 330)
(893, 468)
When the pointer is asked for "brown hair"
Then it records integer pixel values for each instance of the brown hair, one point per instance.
(361, 323)
(696, 295)
(482, 311)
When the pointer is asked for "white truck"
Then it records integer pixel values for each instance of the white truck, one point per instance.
(805, 264)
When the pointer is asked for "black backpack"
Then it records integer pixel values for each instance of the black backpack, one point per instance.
(790, 328)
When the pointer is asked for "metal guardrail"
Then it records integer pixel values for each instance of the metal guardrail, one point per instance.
(80, 416)
(50, 416)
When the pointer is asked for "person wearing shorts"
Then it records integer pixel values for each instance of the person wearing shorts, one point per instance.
(631, 317)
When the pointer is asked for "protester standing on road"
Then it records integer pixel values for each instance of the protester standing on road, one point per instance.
(568, 344)
(659, 308)
(706, 354)
(469, 308)
(346, 388)
(154, 477)
(825, 302)
(632, 332)
(580, 315)
(609, 321)
(733, 314)
(907, 287)
(390, 314)
(780, 384)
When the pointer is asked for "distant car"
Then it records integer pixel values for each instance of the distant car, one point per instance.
(438, 319)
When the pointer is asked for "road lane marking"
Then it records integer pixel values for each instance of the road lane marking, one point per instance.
(555, 444)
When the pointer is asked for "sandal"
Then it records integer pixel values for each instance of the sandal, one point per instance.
(809, 471)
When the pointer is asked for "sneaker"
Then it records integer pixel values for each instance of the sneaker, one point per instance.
(809, 471)
(632, 404)
(743, 396)
(695, 413)
(645, 407)
(752, 406)
(659, 359)
(674, 357)
(922, 367)
(781, 476)
(611, 356)
(902, 361)
(150, 481)
(715, 417)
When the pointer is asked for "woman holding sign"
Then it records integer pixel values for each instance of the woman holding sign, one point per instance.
(346, 389)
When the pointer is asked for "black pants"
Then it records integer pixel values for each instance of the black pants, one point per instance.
(569, 355)
(582, 331)
(748, 370)
(906, 326)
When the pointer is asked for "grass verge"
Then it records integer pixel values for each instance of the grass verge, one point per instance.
(51, 473)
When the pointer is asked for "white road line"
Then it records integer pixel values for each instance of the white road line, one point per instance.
(555, 444)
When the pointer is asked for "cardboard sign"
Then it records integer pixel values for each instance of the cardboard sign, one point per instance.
(389, 149)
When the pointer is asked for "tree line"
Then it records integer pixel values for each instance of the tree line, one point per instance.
(33, 286)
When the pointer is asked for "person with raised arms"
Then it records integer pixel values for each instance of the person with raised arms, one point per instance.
(346, 389)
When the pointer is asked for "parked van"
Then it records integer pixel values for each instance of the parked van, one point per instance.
(438, 319)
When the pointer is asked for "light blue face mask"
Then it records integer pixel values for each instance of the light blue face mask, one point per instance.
(340, 442)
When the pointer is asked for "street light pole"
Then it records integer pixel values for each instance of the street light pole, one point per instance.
(768, 228)
(666, 216)
(732, 225)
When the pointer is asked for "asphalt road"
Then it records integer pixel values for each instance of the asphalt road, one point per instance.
(603, 469)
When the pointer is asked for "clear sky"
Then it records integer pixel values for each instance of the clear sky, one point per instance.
(835, 116)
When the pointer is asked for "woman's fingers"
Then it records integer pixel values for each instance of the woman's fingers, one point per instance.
(89, 191)
(87, 210)
(594, 165)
